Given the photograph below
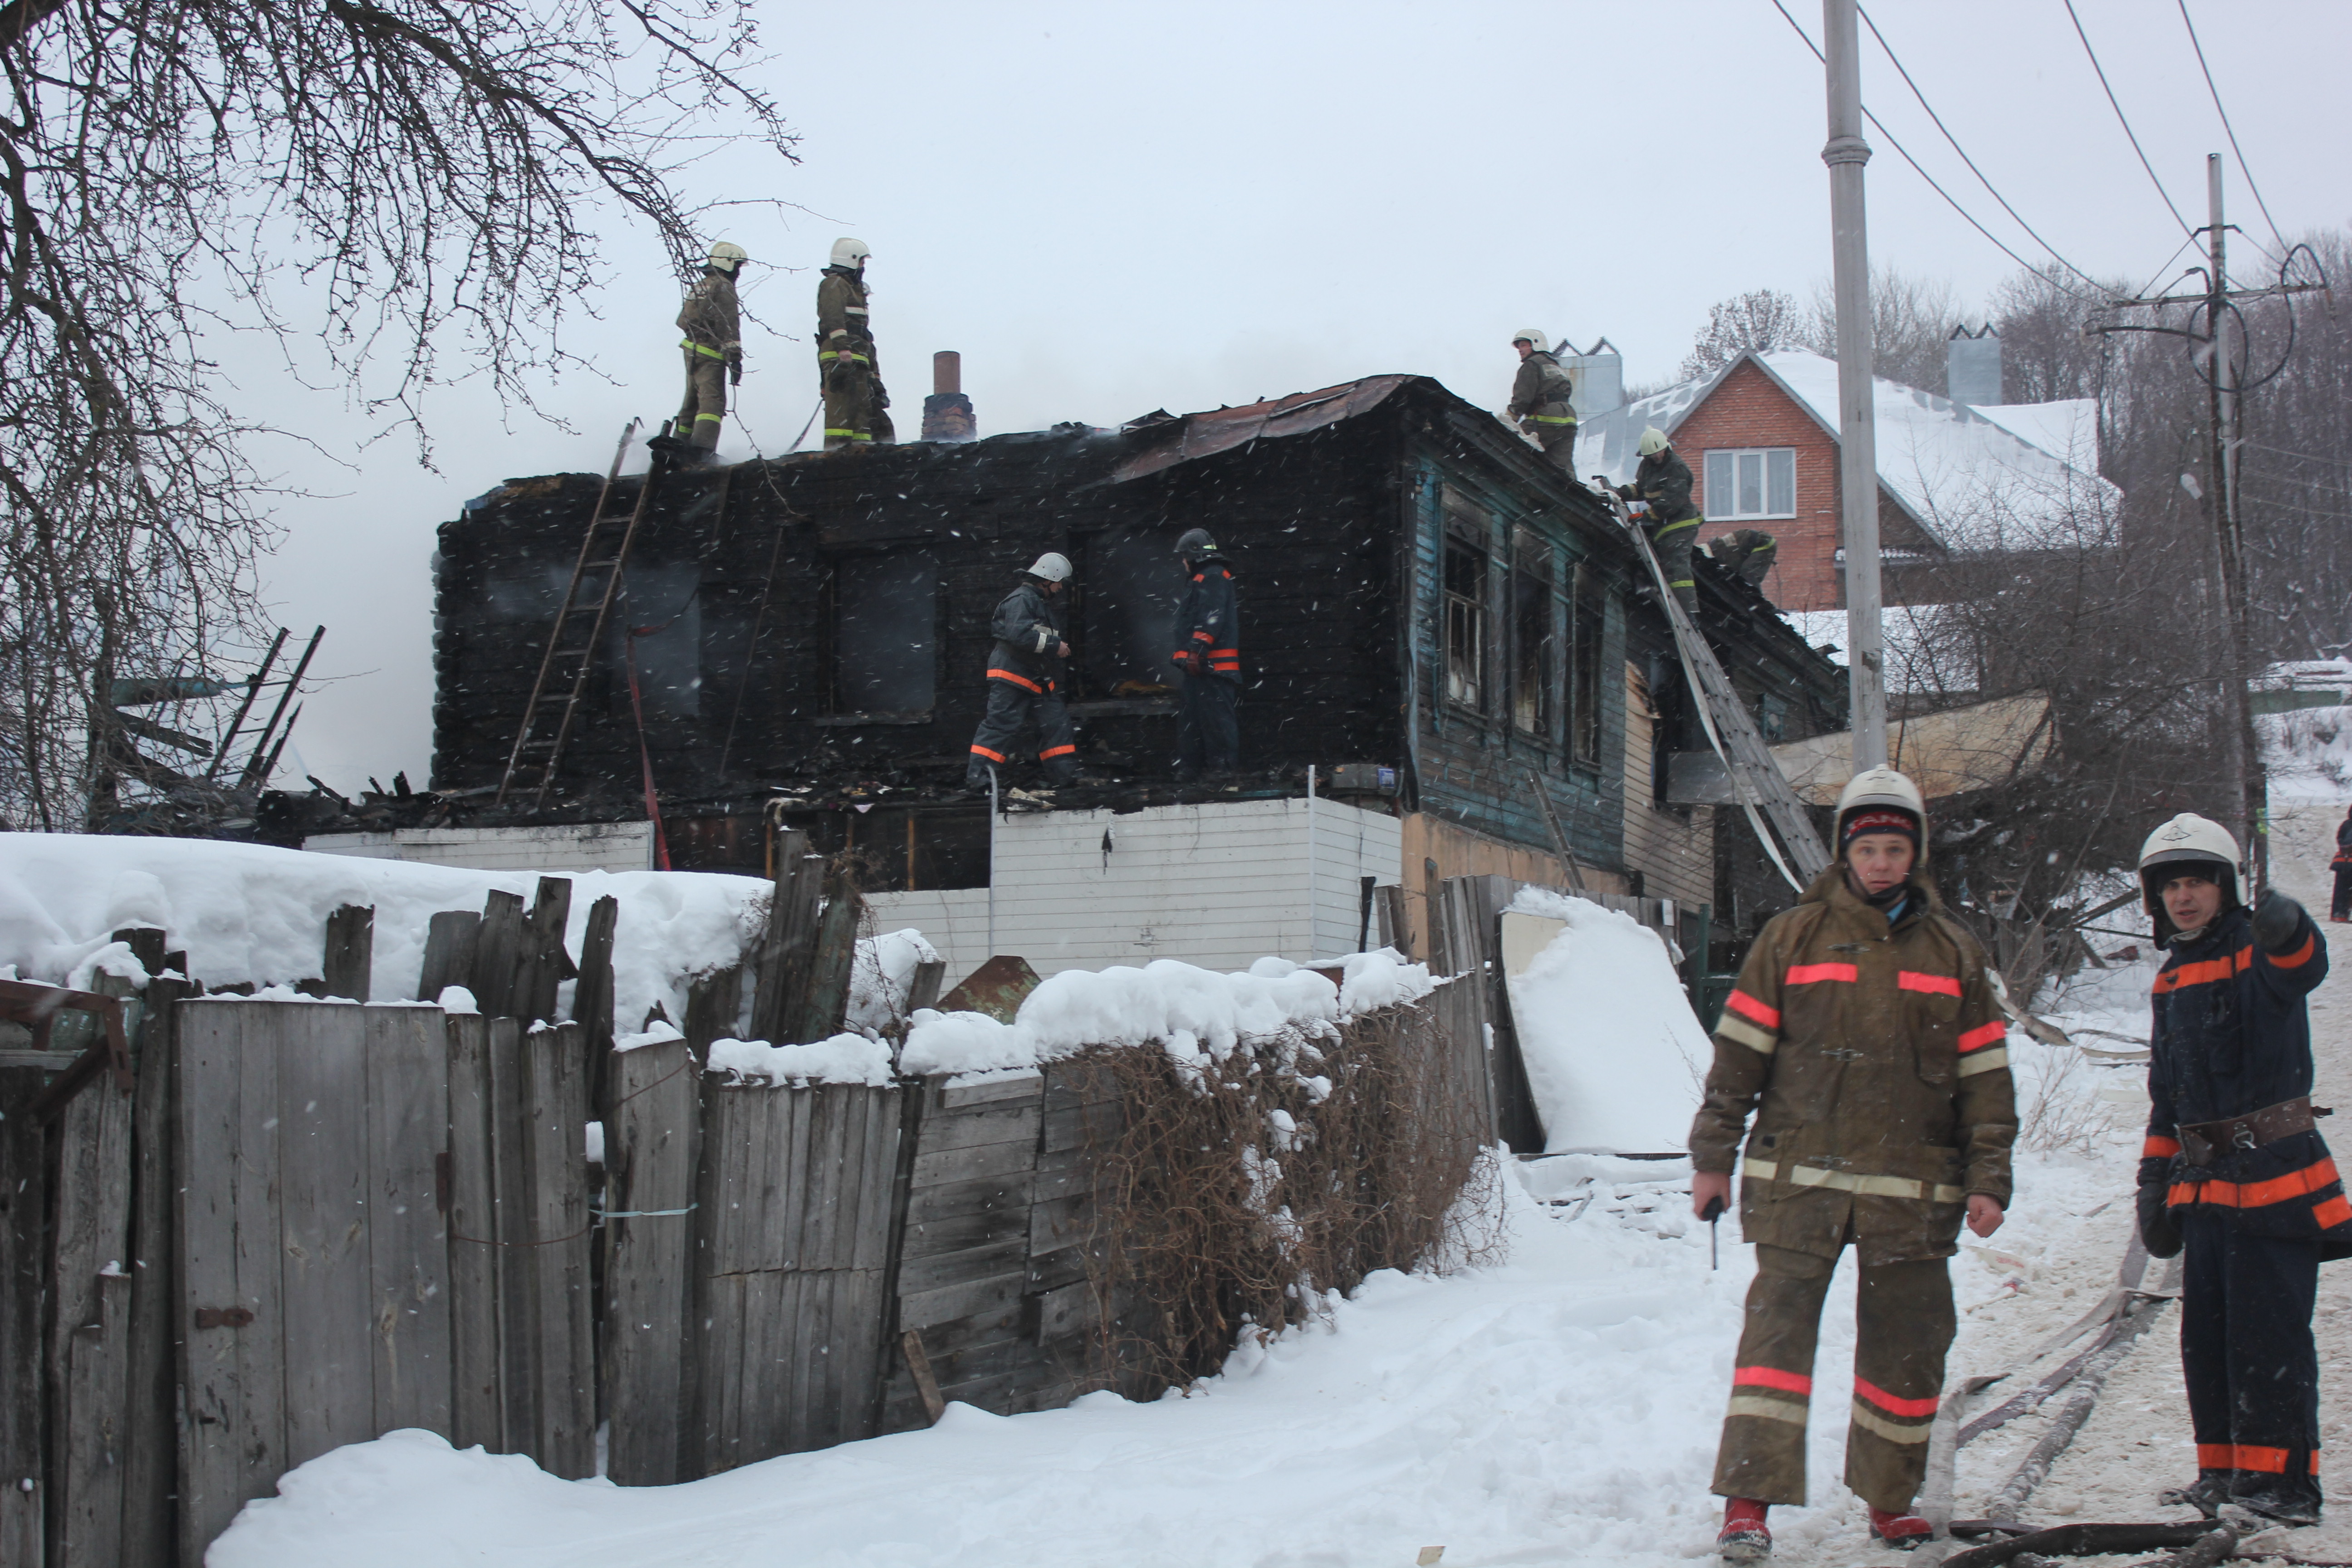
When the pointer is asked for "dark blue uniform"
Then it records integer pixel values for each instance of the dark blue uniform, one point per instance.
(1022, 689)
(1209, 650)
(2257, 1212)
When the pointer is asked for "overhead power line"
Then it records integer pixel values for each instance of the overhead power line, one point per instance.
(1949, 199)
(2123, 119)
(2226, 126)
(1971, 162)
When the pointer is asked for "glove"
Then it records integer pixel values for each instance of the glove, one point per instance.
(1624, 492)
(735, 369)
(2158, 1232)
(2276, 919)
(881, 398)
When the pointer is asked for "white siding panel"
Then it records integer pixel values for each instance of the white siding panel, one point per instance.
(581, 846)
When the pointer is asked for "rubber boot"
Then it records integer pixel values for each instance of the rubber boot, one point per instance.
(1901, 1531)
(1745, 1538)
(2206, 1494)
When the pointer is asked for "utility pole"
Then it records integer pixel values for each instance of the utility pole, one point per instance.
(2211, 349)
(1846, 154)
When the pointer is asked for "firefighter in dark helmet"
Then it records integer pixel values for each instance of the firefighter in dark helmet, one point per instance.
(1209, 652)
(2235, 1172)
(1865, 1041)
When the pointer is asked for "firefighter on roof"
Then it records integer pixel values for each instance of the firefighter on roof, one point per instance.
(1022, 681)
(1864, 1038)
(1209, 652)
(1746, 552)
(846, 365)
(712, 320)
(2235, 1172)
(1664, 481)
(1540, 399)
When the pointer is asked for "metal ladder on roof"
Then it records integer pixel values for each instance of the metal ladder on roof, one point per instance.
(1756, 778)
(564, 667)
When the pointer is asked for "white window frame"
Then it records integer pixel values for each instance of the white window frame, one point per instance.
(1721, 494)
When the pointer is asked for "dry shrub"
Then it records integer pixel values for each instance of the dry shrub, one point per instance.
(2065, 1115)
(1217, 1217)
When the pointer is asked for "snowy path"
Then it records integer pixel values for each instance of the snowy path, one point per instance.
(1560, 1407)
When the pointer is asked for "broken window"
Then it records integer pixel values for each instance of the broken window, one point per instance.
(1465, 625)
(1772, 715)
(1587, 621)
(886, 633)
(1531, 635)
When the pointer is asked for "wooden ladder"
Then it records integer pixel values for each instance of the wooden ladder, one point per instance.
(1756, 778)
(579, 628)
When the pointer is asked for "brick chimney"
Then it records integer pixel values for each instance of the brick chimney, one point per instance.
(1972, 367)
(947, 412)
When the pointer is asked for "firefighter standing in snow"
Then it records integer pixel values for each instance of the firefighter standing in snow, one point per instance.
(1865, 1037)
(1209, 652)
(1664, 481)
(1022, 686)
(2235, 1173)
(2339, 902)
(1540, 399)
(846, 365)
(712, 320)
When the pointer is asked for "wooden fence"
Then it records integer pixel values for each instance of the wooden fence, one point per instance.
(264, 1229)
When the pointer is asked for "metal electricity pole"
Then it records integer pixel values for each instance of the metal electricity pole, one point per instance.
(1846, 154)
(2212, 348)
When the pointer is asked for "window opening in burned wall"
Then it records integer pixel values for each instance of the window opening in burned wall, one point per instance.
(886, 633)
(1135, 586)
(1533, 650)
(1588, 620)
(1465, 625)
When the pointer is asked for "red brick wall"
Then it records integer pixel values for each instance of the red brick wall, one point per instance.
(1748, 410)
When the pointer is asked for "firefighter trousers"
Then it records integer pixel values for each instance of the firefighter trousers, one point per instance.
(1673, 543)
(2247, 1355)
(1208, 727)
(2339, 905)
(1902, 1320)
(853, 411)
(1559, 443)
(705, 408)
(1012, 706)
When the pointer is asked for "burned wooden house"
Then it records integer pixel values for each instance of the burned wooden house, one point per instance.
(1451, 665)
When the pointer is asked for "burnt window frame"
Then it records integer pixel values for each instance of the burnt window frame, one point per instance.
(1462, 622)
(837, 710)
(1587, 650)
(1531, 573)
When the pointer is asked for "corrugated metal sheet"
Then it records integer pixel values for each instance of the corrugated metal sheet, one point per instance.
(1223, 429)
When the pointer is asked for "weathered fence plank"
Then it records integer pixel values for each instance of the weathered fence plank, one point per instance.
(451, 938)
(407, 1140)
(348, 961)
(23, 1274)
(651, 1145)
(232, 1445)
(322, 1149)
(90, 1349)
(815, 1011)
(476, 1408)
(561, 1304)
(152, 1438)
(513, 1240)
(498, 953)
(792, 926)
(542, 962)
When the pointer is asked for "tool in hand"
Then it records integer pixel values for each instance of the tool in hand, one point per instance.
(1713, 1212)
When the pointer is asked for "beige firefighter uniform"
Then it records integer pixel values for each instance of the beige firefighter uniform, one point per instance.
(1874, 1059)
(1539, 402)
(854, 401)
(712, 321)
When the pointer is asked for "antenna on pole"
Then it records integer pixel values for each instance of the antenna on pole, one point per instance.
(1846, 154)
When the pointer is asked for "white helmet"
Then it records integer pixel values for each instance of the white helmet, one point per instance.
(847, 252)
(1654, 441)
(1532, 338)
(1051, 567)
(2188, 844)
(1881, 788)
(728, 257)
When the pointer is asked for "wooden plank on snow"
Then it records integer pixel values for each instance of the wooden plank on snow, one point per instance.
(349, 961)
(451, 938)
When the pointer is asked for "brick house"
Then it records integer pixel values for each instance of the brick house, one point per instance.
(1955, 480)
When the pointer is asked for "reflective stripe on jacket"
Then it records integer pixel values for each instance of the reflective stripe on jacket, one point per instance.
(841, 310)
(1541, 392)
(1210, 620)
(1664, 481)
(711, 318)
(1027, 626)
(1875, 1061)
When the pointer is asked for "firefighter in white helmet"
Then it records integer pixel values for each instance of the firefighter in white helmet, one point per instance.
(1023, 683)
(1540, 399)
(1865, 1041)
(712, 320)
(1663, 481)
(2235, 1173)
(847, 368)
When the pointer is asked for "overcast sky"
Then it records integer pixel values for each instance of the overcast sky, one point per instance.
(1112, 207)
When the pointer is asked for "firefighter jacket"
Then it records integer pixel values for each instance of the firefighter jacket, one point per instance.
(841, 323)
(711, 318)
(1541, 394)
(1873, 1058)
(1664, 481)
(1209, 622)
(1028, 624)
(2230, 1037)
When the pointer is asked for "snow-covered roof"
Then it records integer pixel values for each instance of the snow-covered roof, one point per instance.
(1972, 478)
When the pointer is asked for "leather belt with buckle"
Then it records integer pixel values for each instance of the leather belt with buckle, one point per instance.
(2201, 1142)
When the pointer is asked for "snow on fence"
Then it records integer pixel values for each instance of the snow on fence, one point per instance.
(308, 1222)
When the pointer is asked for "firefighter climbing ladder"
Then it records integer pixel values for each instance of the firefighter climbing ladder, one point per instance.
(566, 667)
(1756, 778)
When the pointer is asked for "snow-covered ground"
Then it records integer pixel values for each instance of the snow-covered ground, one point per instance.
(1559, 1406)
